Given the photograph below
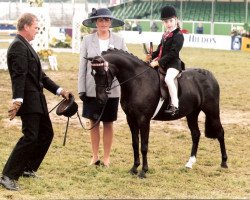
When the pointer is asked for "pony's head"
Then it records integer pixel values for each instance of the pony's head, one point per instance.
(114, 63)
(103, 77)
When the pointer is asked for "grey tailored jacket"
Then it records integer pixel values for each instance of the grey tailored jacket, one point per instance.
(90, 48)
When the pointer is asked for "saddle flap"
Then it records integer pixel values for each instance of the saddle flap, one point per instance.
(163, 86)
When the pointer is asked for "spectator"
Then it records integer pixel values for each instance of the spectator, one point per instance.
(127, 26)
(199, 28)
(247, 34)
(234, 31)
(139, 29)
(154, 27)
(134, 26)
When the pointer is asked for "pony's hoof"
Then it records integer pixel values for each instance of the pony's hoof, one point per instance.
(224, 165)
(133, 171)
(189, 165)
(142, 174)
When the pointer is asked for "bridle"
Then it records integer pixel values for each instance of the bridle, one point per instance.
(105, 65)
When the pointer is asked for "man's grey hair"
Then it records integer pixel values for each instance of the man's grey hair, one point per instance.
(25, 19)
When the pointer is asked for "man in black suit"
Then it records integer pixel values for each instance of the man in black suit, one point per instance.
(28, 81)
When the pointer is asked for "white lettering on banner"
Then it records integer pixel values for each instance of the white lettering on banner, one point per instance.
(207, 41)
(196, 38)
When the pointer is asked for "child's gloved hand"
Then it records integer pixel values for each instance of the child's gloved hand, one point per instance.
(154, 64)
(148, 58)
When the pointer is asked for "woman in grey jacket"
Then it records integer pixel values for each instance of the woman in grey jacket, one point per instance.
(92, 45)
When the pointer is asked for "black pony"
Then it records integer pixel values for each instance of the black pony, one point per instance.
(141, 97)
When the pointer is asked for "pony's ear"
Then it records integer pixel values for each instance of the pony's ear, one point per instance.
(89, 58)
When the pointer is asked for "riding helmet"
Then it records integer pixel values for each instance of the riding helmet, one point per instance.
(168, 12)
(67, 107)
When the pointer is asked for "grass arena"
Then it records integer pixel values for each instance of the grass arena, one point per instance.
(65, 172)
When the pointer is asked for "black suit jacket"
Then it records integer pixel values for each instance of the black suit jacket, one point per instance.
(27, 77)
(171, 47)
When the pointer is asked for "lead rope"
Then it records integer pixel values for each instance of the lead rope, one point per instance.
(56, 106)
(67, 125)
(65, 134)
(98, 120)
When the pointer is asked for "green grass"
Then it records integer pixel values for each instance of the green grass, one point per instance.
(65, 173)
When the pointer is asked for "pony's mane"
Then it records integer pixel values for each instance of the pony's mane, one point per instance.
(120, 51)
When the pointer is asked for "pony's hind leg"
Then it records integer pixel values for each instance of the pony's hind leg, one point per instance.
(214, 129)
(192, 120)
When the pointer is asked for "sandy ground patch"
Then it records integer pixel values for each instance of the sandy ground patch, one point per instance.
(227, 117)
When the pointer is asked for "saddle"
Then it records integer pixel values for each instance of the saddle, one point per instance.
(163, 86)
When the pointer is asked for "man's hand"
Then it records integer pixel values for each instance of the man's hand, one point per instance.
(154, 64)
(14, 109)
(82, 96)
(148, 58)
(66, 94)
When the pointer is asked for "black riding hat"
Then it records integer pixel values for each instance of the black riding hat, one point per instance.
(168, 12)
(67, 107)
(101, 13)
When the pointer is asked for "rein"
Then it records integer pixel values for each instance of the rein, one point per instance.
(128, 79)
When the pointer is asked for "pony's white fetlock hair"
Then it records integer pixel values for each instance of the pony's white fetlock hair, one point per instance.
(190, 162)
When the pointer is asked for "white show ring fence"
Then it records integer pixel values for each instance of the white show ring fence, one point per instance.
(3, 59)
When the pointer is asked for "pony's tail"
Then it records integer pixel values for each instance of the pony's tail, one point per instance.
(213, 128)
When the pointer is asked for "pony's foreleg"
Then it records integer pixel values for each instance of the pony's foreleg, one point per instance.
(135, 143)
(144, 132)
(192, 120)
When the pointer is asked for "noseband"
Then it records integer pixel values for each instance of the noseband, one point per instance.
(102, 63)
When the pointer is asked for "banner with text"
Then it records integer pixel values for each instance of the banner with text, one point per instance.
(191, 40)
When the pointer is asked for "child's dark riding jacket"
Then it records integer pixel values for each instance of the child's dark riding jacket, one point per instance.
(171, 46)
